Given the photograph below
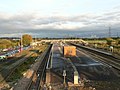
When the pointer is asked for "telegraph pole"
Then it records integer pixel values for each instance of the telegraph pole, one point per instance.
(117, 35)
(35, 39)
(109, 31)
(21, 44)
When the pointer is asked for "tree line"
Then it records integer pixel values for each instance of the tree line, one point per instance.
(25, 40)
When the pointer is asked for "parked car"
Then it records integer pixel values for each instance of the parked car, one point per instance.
(2, 57)
(8, 55)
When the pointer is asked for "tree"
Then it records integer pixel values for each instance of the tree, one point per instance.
(4, 43)
(2, 46)
(26, 39)
(109, 41)
(118, 41)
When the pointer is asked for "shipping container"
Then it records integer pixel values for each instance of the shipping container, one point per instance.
(69, 51)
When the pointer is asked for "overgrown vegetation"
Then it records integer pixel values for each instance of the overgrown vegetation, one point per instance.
(18, 73)
(4, 43)
(11, 43)
(107, 85)
(105, 44)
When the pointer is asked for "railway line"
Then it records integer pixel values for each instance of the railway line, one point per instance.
(88, 64)
(8, 70)
(60, 63)
(9, 61)
(41, 72)
(83, 63)
(104, 57)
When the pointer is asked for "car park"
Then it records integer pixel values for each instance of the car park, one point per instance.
(8, 55)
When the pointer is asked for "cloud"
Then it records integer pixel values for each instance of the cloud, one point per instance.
(24, 21)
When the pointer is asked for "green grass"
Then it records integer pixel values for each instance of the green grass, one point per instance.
(18, 73)
(102, 44)
(96, 41)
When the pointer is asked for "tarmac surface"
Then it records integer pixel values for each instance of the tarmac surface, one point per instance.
(86, 66)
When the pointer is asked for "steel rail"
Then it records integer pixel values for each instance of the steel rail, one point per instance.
(106, 58)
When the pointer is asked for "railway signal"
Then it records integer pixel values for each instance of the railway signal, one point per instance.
(64, 74)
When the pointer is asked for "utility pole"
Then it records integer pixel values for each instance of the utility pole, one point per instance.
(21, 44)
(35, 39)
(109, 31)
(117, 35)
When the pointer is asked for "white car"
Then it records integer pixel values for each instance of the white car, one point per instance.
(2, 57)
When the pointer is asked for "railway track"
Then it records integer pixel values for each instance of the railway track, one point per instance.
(13, 59)
(10, 66)
(104, 57)
(41, 72)
(7, 71)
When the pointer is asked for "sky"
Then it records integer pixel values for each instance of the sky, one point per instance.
(58, 14)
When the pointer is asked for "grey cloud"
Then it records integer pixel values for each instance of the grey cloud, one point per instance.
(110, 16)
(31, 21)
